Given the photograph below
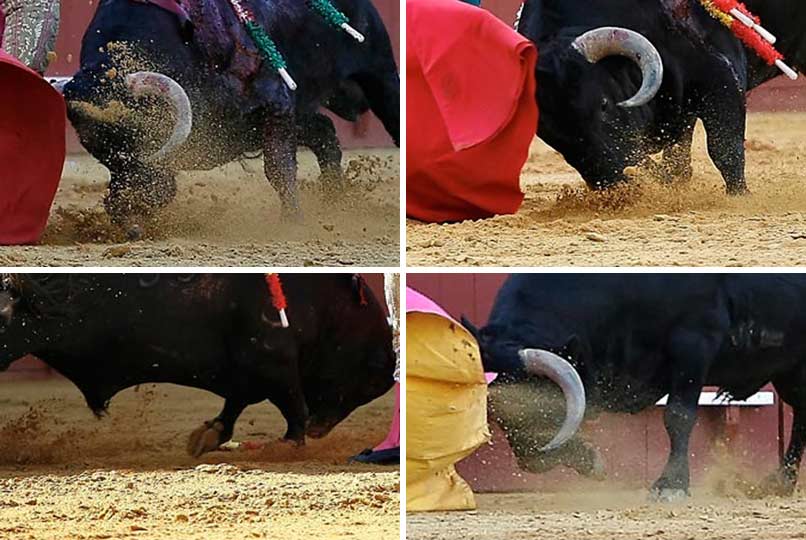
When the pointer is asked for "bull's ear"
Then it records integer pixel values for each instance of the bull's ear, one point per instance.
(470, 327)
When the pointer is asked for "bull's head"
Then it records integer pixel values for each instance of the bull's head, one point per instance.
(592, 106)
(505, 354)
(116, 78)
(9, 299)
(137, 85)
(353, 379)
(11, 320)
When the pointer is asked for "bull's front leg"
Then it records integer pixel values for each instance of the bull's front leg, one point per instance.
(576, 454)
(135, 191)
(690, 352)
(214, 433)
(723, 116)
(280, 162)
(291, 402)
(678, 418)
(676, 160)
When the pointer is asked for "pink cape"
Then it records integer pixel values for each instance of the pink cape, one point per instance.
(420, 303)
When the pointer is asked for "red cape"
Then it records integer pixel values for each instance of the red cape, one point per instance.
(471, 111)
(32, 151)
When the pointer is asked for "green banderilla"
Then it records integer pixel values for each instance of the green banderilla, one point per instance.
(270, 52)
(334, 17)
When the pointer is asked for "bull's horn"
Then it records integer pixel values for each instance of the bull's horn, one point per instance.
(157, 84)
(562, 373)
(610, 40)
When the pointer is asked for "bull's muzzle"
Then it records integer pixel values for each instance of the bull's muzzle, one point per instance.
(561, 372)
(147, 83)
(613, 40)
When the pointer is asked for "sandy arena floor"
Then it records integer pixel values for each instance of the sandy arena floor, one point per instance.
(561, 223)
(66, 475)
(228, 217)
(614, 515)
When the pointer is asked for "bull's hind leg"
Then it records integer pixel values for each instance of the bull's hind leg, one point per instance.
(383, 93)
(317, 132)
(280, 162)
(792, 389)
(213, 433)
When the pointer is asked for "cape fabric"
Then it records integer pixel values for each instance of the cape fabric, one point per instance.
(446, 396)
(32, 150)
(471, 111)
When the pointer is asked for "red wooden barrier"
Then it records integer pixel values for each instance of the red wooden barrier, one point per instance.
(366, 133)
(634, 446)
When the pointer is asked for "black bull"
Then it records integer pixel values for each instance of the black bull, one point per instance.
(633, 339)
(236, 103)
(706, 74)
(216, 332)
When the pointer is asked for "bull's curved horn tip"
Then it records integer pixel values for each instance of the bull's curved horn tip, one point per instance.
(561, 372)
(158, 84)
(605, 41)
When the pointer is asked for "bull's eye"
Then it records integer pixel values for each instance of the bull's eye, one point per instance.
(605, 104)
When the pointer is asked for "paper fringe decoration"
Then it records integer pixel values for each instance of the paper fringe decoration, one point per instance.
(278, 299)
(747, 27)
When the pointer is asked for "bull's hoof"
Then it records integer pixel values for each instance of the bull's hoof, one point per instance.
(779, 483)
(331, 183)
(135, 233)
(206, 438)
(293, 216)
(598, 469)
(295, 443)
(136, 191)
(739, 189)
(666, 490)
(668, 495)
(587, 461)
